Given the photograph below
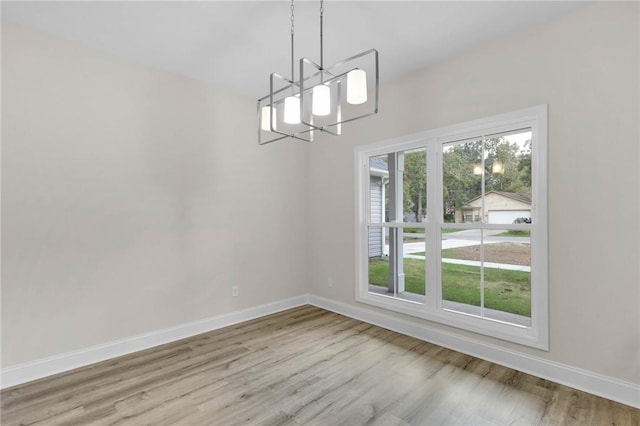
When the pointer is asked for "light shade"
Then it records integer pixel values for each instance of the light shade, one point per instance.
(292, 110)
(337, 78)
(264, 118)
(357, 87)
(321, 100)
(477, 169)
(497, 167)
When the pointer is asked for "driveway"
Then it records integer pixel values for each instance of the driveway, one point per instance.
(464, 238)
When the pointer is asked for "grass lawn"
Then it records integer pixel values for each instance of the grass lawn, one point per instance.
(413, 274)
(413, 230)
(506, 291)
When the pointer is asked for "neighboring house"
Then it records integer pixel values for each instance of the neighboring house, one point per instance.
(499, 207)
(378, 177)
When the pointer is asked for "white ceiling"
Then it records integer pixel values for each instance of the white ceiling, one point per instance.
(237, 44)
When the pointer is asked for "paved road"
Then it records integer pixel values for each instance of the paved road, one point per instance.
(472, 237)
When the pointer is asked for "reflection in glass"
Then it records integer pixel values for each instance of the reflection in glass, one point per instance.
(399, 274)
(507, 178)
(463, 168)
(497, 167)
(488, 180)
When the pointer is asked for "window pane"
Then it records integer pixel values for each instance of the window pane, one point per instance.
(508, 178)
(398, 269)
(461, 271)
(413, 253)
(378, 258)
(414, 185)
(406, 171)
(488, 269)
(462, 181)
(507, 276)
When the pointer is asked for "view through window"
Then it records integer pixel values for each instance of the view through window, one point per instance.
(453, 231)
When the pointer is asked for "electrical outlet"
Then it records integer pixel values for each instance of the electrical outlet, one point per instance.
(234, 291)
(330, 282)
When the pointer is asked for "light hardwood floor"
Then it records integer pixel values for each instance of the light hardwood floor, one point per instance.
(303, 366)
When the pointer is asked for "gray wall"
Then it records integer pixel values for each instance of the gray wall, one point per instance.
(585, 66)
(133, 199)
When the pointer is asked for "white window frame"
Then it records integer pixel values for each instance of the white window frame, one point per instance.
(535, 118)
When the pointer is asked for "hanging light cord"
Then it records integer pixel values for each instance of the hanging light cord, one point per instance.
(321, 41)
(292, 31)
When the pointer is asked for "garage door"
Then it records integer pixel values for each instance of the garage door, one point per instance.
(507, 216)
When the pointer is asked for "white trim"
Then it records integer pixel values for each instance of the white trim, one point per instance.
(587, 381)
(533, 118)
(597, 384)
(38, 369)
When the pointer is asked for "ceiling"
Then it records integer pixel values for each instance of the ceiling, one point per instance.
(237, 44)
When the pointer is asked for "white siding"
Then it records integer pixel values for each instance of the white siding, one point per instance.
(375, 234)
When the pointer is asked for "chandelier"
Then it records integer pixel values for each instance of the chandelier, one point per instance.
(322, 98)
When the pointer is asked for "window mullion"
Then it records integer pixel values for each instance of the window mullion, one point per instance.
(483, 221)
(433, 233)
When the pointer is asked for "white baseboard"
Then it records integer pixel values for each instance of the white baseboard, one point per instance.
(597, 384)
(38, 369)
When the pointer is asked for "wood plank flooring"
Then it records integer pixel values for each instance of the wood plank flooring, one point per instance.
(304, 366)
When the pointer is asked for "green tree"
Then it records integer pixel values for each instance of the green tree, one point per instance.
(524, 165)
(460, 184)
(508, 153)
(415, 183)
